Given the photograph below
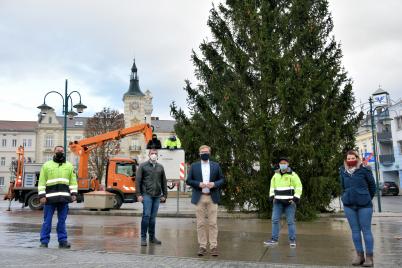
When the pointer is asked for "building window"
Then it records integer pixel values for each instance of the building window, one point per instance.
(2, 161)
(14, 143)
(400, 147)
(3, 143)
(49, 141)
(27, 142)
(1, 181)
(50, 120)
(399, 122)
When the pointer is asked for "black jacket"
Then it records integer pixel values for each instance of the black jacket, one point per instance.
(154, 144)
(150, 179)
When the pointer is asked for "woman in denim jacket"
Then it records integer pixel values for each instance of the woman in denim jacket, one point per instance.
(358, 189)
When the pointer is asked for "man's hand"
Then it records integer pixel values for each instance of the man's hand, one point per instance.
(42, 200)
(163, 199)
(210, 185)
(296, 200)
(73, 198)
(202, 185)
(140, 198)
(271, 199)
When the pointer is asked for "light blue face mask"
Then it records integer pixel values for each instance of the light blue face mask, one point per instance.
(283, 166)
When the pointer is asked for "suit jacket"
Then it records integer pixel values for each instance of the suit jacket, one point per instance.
(194, 178)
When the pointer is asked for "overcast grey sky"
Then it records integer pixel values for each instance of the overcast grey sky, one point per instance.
(92, 43)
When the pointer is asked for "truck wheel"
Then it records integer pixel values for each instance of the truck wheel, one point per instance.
(34, 203)
(117, 201)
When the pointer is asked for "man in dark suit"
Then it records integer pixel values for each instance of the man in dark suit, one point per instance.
(206, 178)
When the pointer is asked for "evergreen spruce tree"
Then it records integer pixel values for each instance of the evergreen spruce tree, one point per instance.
(271, 85)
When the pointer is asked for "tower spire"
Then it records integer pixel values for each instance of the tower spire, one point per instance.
(134, 88)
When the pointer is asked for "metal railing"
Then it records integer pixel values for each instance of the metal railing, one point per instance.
(384, 136)
(387, 159)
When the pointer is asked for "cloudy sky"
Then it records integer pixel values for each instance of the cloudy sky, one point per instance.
(92, 44)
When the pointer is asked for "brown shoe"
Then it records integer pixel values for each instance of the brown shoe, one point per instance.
(369, 261)
(359, 259)
(202, 251)
(214, 252)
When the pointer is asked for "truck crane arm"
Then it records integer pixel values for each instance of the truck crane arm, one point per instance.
(83, 147)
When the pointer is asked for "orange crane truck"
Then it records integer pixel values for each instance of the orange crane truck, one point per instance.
(120, 178)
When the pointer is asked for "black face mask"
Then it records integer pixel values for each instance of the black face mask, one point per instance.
(59, 158)
(204, 157)
(154, 138)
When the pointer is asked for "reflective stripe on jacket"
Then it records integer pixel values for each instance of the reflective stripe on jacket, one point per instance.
(285, 186)
(57, 182)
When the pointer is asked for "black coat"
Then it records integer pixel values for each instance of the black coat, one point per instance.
(151, 180)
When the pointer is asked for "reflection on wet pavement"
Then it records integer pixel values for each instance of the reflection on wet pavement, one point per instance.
(325, 242)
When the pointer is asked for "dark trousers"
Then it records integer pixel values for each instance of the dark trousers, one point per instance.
(48, 211)
(150, 210)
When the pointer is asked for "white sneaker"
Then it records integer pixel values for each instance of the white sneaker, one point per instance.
(292, 244)
(271, 242)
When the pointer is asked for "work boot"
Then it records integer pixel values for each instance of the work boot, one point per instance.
(64, 244)
(154, 240)
(43, 245)
(214, 252)
(202, 251)
(143, 242)
(369, 261)
(359, 259)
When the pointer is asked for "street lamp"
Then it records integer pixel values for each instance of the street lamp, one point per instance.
(44, 108)
(377, 169)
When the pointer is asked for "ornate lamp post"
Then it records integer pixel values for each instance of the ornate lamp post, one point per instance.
(44, 108)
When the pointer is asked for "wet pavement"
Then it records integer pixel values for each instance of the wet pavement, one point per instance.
(111, 241)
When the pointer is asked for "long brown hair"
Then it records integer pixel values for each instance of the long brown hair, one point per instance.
(352, 152)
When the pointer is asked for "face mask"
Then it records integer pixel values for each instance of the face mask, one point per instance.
(154, 138)
(351, 163)
(204, 156)
(283, 166)
(153, 157)
(59, 157)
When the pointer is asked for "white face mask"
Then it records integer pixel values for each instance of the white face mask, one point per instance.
(153, 157)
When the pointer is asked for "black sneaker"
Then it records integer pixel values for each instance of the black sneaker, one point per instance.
(64, 245)
(143, 242)
(43, 245)
(155, 241)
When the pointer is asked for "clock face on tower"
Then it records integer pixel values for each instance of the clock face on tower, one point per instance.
(134, 105)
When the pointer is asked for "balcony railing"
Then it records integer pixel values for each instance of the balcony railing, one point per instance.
(384, 136)
(135, 148)
(387, 159)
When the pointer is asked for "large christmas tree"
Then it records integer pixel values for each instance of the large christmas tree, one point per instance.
(271, 84)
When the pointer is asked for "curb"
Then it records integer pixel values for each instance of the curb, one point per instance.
(132, 213)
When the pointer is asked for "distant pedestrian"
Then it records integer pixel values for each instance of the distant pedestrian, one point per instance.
(358, 190)
(154, 143)
(206, 178)
(57, 187)
(151, 190)
(285, 192)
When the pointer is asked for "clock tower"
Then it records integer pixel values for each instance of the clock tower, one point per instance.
(137, 109)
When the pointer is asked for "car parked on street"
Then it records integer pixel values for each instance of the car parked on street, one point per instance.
(389, 188)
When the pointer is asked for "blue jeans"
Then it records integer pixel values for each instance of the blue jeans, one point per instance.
(360, 222)
(289, 211)
(150, 209)
(48, 211)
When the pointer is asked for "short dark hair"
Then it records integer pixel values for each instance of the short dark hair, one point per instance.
(58, 146)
